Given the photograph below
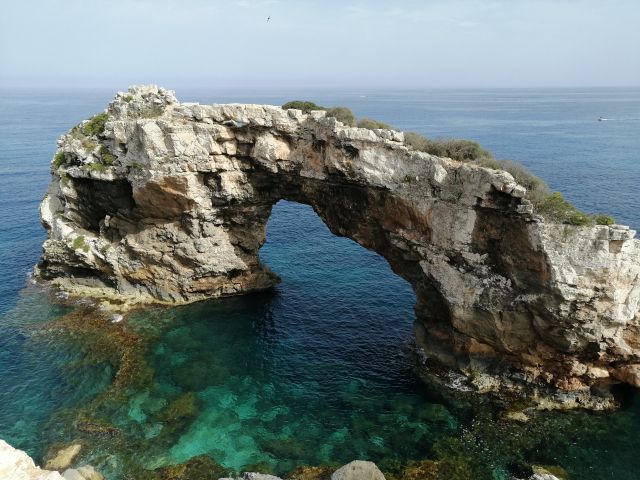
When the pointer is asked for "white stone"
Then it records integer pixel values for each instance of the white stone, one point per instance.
(17, 465)
(358, 470)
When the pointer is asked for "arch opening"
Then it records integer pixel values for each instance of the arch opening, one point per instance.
(319, 371)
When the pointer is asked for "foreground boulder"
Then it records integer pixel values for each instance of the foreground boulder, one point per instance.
(157, 201)
(17, 465)
(358, 470)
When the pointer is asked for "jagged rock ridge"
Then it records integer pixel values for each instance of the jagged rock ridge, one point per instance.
(169, 203)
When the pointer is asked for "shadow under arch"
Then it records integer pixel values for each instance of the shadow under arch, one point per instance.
(335, 294)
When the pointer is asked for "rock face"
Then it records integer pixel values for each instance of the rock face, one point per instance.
(17, 465)
(169, 203)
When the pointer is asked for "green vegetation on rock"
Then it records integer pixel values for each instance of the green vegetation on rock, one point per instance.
(107, 157)
(373, 124)
(80, 244)
(537, 190)
(552, 206)
(88, 145)
(602, 219)
(302, 105)
(342, 114)
(58, 160)
(96, 167)
(456, 149)
(95, 126)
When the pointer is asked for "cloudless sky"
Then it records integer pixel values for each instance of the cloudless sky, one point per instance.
(328, 43)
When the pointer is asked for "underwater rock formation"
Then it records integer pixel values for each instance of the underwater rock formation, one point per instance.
(63, 458)
(160, 201)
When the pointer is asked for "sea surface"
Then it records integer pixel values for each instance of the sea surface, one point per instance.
(318, 371)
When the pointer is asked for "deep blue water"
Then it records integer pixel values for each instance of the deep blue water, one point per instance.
(320, 370)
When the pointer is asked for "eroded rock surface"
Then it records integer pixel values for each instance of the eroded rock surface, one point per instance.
(17, 465)
(170, 203)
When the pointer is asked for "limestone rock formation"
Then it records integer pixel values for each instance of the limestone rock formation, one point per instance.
(161, 201)
(17, 465)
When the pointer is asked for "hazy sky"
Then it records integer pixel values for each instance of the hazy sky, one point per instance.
(348, 43)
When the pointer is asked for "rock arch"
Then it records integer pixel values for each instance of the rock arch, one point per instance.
(170, 203)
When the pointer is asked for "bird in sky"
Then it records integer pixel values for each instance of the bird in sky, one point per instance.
(268, 18)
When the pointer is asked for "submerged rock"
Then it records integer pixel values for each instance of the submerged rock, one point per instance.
(86, 472)
(163, 202)
(63, 458)
(424, 470)
(201, 467)
(311, 473)
(95, 427)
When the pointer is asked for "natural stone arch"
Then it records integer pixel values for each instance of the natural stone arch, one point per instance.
(181, 213)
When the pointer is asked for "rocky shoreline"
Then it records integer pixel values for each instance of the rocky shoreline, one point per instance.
(17, 465)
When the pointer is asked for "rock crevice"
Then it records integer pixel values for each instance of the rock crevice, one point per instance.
(169, 203)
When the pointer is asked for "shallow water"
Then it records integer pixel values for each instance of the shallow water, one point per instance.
(318, 371)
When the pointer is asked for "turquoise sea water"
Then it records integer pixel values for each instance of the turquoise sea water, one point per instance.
(319, 371)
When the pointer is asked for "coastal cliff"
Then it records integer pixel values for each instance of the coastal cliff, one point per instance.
(156, 201)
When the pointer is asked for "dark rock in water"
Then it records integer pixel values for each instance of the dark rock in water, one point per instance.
(201, 468)
(311, 473)
(93, 427)
(425, 470)
(168, 203)
(183, 407)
